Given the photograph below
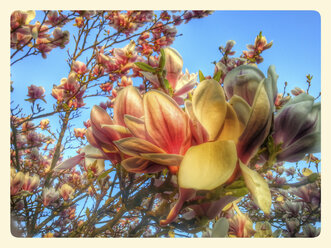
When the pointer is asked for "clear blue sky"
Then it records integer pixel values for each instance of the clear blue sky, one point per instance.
(296, 51)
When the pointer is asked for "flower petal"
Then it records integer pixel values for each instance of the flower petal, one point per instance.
(99, 117)
(184, 195)
(128, 101)
(136, 126)
(232, 128)
(167, 125)
(70, 163)
(163, 158)
(241, 107)
(209, 106)
(310, 143)
(208, 165)
(134, 146)
(258, 188)
(140, 165)
(199, 133)
(123, 131)
(258, 125)
(243, 81)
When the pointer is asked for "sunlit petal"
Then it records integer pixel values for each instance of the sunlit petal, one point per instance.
(209, 106)
(258, 188)
(128, 101)
(136, 126)
(167, 125)
(232, 128)
(208, 165)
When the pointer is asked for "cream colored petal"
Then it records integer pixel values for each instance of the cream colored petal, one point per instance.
(136, 126)
(31, 15)
(134, 146)
(258, 188)
(209, 106)
(163, 158)
(241, 107)
(232, 128)
(208, 165)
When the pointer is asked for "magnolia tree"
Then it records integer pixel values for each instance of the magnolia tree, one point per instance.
(178, 155)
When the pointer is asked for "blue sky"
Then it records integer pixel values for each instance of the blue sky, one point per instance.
(296, 51)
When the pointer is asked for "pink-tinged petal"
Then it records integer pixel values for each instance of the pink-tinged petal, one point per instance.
(173, 65)
(232, 128)
(70, 163)
(136, 126)
(208, 165)
(99, 117)
(123, 131)
(128, 101)
(213, 209)
(163, 158)
(90, 137)
(185, 89)
(199, 133)
(258, 126)
(184, 195)
(167, 125)
(258, 187)
(134, 146)
(209, 106)
(151, 78)
(140, 165)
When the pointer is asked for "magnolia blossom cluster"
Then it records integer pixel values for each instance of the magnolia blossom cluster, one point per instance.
(129, 21)
(22, 182)
(70, 91)
(208, 144)
(36, 35)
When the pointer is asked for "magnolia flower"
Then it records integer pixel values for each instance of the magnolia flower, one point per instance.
(298, 128)
(30, 183)
(50, 195)
(88, 153)
(80, 132)
(16, 182)
(44, 124)
(180, 83)
(35, 92)
(79, 67)
(159, 139)
(66, 191)
(236, 129)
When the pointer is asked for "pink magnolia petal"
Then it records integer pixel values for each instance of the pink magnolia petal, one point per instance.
(136, 126)
(166, 123)
(134, 146)
(140, 165)
(163, 158)
(100, 117)
(70, 163)
(184, 195)
(128, 101)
